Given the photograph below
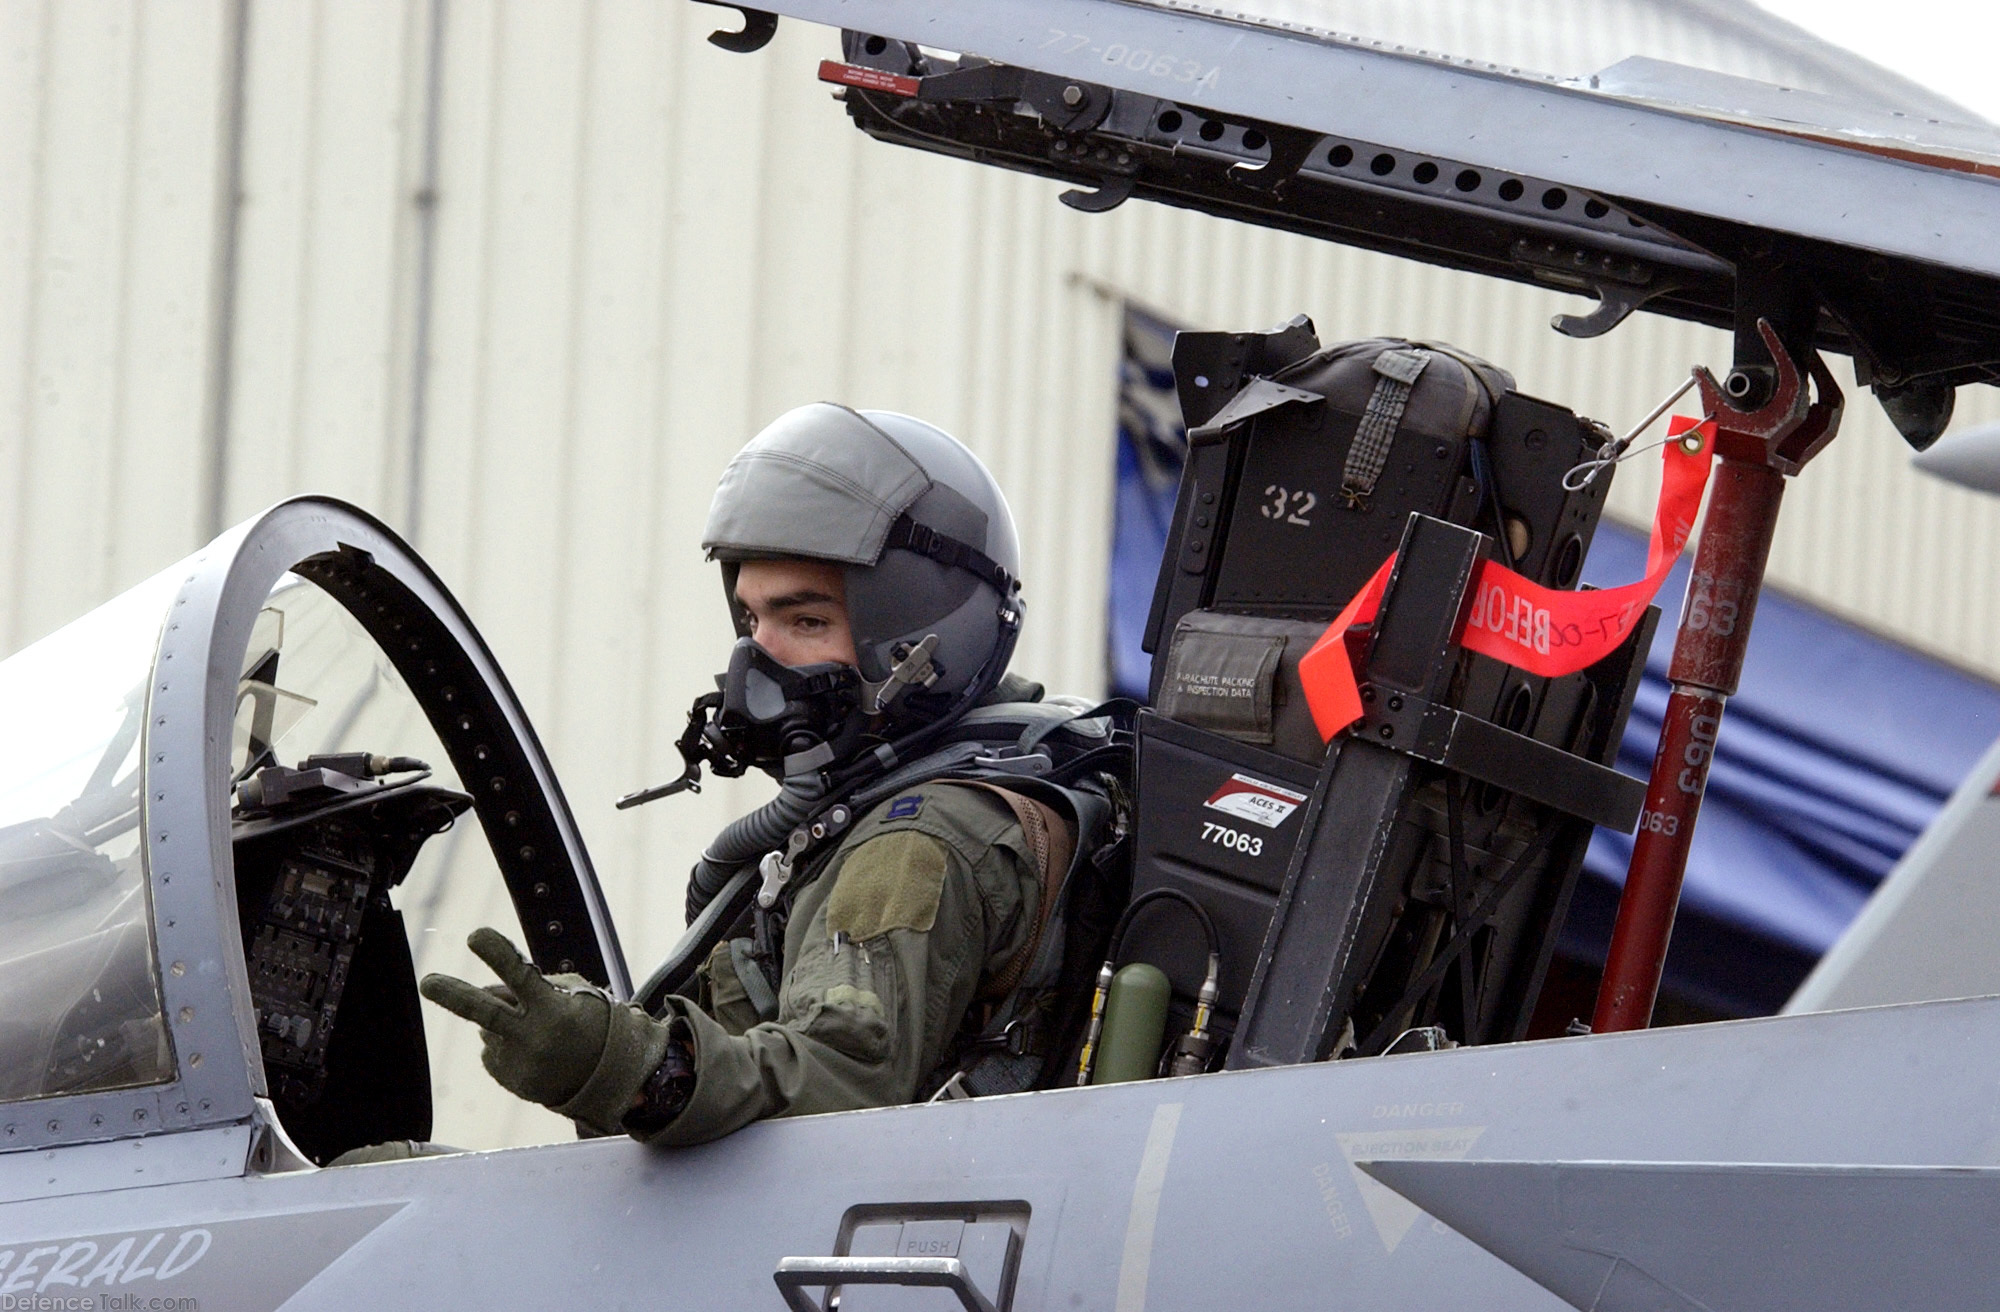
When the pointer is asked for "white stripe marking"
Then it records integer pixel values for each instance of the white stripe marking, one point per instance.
(1138, 1260)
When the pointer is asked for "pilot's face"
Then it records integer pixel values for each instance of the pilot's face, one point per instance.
(796, 610)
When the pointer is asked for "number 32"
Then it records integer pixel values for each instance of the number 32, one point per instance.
(1289, 507)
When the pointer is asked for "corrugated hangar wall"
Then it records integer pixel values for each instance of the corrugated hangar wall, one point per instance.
(520, 277)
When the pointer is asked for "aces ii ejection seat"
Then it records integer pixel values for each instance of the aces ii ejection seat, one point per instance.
(1413, 875)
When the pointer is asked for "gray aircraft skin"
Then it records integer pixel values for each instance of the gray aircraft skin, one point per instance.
(1841, 1160)
(1969, 459)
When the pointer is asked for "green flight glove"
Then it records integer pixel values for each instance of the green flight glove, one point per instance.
(551, 1041)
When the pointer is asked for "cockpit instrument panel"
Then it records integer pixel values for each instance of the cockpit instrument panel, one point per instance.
(329, 960)
(299, 959)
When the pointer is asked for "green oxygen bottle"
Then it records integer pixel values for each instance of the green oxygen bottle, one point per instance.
(1135, 1024)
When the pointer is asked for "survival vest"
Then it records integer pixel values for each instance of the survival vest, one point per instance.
(1065, 769)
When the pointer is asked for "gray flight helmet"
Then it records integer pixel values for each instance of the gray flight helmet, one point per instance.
(923, 532)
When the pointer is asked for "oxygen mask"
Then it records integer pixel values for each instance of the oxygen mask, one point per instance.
(787, 718)
(783, 719)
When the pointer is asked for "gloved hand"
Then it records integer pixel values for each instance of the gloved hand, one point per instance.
(551, 1041)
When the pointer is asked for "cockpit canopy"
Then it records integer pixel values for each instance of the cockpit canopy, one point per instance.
(77, 963)
(218, 879)
(1651, 154)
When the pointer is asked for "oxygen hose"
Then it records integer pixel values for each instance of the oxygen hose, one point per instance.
(748, 838)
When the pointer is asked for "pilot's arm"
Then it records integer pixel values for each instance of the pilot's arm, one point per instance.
(883, 955)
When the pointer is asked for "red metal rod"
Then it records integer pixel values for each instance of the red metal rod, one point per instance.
(1708, 660)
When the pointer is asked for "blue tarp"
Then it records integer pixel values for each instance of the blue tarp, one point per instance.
(1836, 752)
(1152, 447)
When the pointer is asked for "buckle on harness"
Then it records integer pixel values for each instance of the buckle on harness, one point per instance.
(1020, 1037)
(776, 867)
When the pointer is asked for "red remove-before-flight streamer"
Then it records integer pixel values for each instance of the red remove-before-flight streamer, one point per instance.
(1544, 631)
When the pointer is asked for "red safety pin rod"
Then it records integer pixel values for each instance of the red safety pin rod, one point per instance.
(1756, 451)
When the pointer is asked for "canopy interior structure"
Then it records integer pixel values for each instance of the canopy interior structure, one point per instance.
(1517, 146)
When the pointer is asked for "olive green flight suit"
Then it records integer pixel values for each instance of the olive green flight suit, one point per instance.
(934, 892)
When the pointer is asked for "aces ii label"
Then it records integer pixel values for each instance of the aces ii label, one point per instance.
(1254, 800)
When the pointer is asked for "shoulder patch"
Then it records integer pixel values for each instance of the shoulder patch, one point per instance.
(906, 807)
(892, 881)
